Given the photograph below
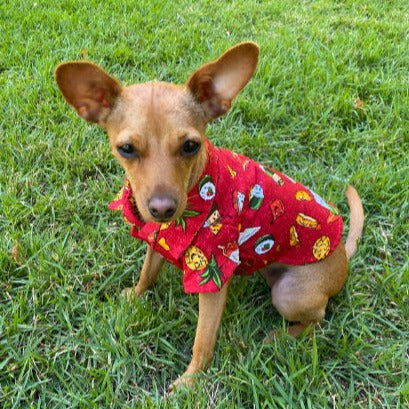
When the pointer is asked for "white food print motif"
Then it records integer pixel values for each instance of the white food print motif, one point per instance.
(264, 244)
(238, 201)
(231, 251)
(256, 197)
(247, 234)
(207, 189)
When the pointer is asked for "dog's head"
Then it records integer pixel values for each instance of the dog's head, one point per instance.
(156, 130)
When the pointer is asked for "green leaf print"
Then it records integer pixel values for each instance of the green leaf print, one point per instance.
(213, 273)
(180, 221)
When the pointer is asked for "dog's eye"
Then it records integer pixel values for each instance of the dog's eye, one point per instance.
(190, 148)
(127, 151)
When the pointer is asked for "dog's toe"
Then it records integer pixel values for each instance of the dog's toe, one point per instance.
(129, 293)
(183, 382)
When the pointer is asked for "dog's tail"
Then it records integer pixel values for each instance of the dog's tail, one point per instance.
(356, 221)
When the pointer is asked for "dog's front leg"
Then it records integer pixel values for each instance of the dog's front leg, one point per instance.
(150, 270)
(211, 307)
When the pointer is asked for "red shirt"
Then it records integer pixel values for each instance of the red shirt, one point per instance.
(240, 217)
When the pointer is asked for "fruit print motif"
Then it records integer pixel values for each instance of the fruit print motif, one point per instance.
(181, 221)
(212, 273)
(321, 247)
(195, 258)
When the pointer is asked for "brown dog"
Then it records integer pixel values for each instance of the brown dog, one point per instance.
(156, 132)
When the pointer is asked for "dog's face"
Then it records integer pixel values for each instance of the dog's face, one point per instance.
(156, 130)
(158, 139)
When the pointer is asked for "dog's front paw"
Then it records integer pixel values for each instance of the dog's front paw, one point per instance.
(130, 293)
(186, 381)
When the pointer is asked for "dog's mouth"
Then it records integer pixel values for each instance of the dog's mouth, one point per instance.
(160, 209)
(163, 220)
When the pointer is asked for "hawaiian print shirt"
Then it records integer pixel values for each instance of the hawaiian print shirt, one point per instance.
(240, 217)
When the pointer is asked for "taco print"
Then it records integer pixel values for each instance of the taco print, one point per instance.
(307, 221)
(332, 217)
(119, 195)
(152, 236)
(165, 226)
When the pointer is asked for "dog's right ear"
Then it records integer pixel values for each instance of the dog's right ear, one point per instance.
(88, 88)
(217, 83)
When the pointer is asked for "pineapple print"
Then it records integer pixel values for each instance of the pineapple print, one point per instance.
(212, 273)
(195, 258)
(321, 247)
(181, 221)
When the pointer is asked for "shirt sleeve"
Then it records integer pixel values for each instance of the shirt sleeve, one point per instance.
(210, 260)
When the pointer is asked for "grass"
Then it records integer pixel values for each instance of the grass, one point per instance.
(329, 104)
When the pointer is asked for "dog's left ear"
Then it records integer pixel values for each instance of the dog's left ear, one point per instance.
(217, 83)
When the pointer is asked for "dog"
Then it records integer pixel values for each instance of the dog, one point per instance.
(211, 212)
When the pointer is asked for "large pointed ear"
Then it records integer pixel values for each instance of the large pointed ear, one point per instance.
(217, 83)
(88, 88)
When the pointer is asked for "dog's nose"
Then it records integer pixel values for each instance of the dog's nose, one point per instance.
(162, 207)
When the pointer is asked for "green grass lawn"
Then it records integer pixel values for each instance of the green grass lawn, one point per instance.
(329, 104)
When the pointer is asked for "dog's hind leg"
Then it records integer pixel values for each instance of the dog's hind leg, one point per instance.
(301, 293)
